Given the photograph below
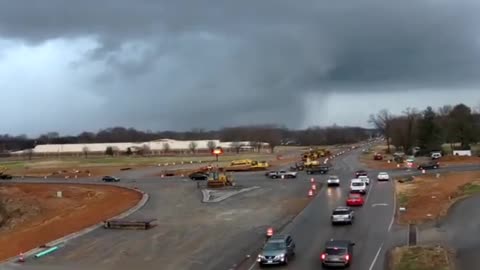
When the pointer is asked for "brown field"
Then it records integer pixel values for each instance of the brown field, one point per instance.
(35, 216)
(428, 198)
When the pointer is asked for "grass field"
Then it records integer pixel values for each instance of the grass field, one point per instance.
(421, 258)
(81, 161)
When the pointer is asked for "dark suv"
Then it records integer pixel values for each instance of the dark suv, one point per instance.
(278, 250)
(337, 253)
(429, 165)
(110, 179)
(360, 173)
(318, 169)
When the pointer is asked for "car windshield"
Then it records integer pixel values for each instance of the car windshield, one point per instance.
(274, 246)
(341, 212)
(333, 177)
(357, 184)
(336, 251)
(354, 197)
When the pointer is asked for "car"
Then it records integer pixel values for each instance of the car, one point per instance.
(318, 169)
(5, 176)
(355, 200)
(360, 173)
(436, 155)
(383, 176)
(333, 180)
(278, 250)
(429, 165)
(199, 176)
(337, 253)
(282, 174)
(358, 186)
(365, 179)
(110, 179)
(342, 215)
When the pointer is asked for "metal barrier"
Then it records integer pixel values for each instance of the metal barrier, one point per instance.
(129, 224)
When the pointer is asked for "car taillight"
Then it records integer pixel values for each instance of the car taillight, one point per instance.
(347, 257)
(323, 256)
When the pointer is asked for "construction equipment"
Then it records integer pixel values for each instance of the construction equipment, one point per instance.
(314, 154)
(311, 163)
(247, 165)
(220, 178)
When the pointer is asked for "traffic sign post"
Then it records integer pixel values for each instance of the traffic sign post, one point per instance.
(217, 151)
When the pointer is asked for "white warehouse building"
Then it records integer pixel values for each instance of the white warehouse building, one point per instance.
(156, 146)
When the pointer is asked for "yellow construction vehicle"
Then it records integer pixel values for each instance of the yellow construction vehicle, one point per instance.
(247, 165)
(259, 165)
(310, 163)
(220, 179)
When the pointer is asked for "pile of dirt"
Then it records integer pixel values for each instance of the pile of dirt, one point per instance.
(428, 197)
(37, 216)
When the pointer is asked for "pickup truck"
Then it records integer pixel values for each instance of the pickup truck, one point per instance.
(279, 174)
(318, 169)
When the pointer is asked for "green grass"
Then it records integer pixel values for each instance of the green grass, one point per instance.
(421, 258)
(470, 188)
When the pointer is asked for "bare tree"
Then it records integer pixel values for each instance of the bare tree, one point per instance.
(237, 146)
(166, 147)
(145, 150)
(29, 153)
(85, 151)
(382, 121)
(193, 146)
(211, 145)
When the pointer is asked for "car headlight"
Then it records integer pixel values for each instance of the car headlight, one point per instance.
(281, 256)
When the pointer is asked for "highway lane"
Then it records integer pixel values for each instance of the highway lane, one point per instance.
(312, 228)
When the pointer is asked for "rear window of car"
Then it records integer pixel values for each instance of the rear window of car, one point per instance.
(341, 212)
(356, 184)
(336, 251)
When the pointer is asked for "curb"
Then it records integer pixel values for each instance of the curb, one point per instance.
(206, 194)
(62, 240)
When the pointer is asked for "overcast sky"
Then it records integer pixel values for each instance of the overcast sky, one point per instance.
(70, 66)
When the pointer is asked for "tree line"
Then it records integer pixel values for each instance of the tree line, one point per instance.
(429, 129)
(273, 134)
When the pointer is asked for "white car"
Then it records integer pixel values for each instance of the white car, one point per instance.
(358, 186)
(333, 180)
(383, 176)
(365, 179)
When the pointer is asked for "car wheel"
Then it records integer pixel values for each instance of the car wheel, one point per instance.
(308, 172)
(435, 167)
(286, 260)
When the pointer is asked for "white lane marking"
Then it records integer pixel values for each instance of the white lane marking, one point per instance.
(394, 210)
(253, 266)
(376, 257)
(379, 204)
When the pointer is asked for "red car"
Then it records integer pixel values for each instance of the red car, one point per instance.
(355, 200)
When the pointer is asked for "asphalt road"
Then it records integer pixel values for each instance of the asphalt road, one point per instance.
(460, 230)
(370, 231)
(189, 234)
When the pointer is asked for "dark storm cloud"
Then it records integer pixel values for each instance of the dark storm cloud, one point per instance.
(192, 63)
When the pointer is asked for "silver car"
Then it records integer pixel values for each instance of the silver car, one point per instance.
(342, 215)
(333, 180)
(278, 250)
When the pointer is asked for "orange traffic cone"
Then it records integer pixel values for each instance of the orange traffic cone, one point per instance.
(314, 187)
(270, 232)
(310, 193)
(21, 257)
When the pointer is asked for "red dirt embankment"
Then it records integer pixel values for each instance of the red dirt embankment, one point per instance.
(37, 216)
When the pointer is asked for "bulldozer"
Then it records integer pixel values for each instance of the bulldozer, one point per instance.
(220, 178)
